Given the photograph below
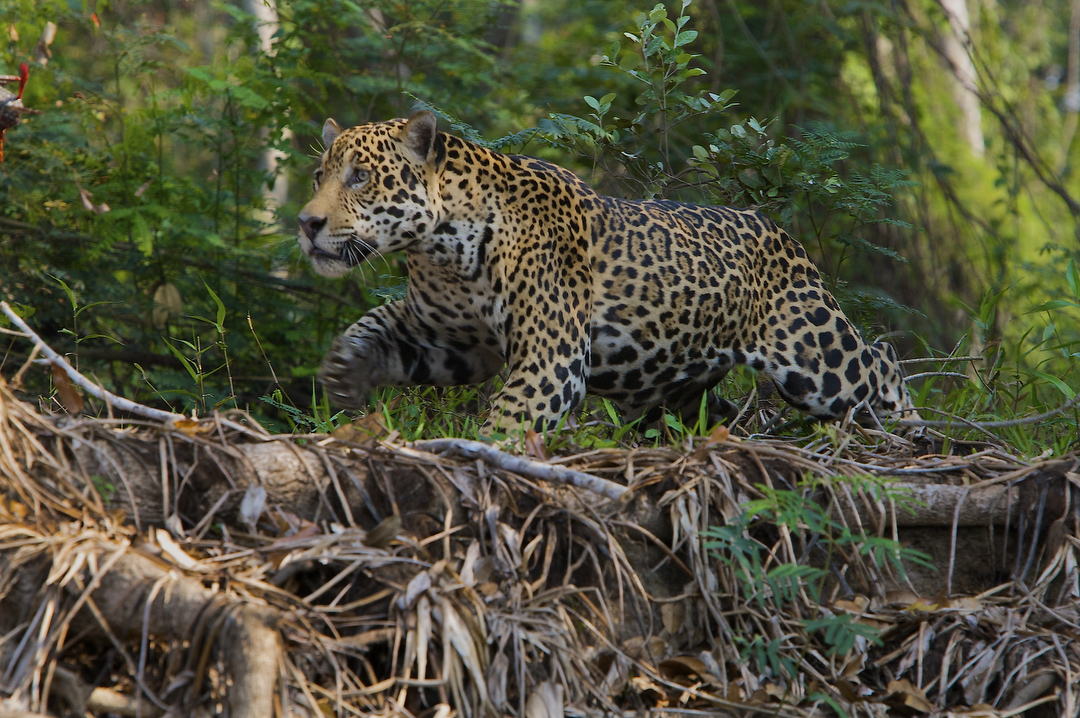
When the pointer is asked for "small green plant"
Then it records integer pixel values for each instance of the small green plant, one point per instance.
(318, 421)
(768, 581)
(195, 366)
(1032, 374)
(106, 490)
(428, 412)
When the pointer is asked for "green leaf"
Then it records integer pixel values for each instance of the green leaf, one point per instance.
(751, 178)
(591, 102)
(67, 290)
(700, 152)
(655, 44)
(1055, 304)
(140, 232)
(606, 99)
(183, 360)
(1058, 384)
(673, 422)
(629, 61)
(220, 309)
(84, 307)
(21, 310)
(612, 414)
(685, 37)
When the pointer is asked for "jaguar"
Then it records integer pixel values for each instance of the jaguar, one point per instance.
(515, 262)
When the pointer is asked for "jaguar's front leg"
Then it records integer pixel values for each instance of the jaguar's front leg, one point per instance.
(392, 346)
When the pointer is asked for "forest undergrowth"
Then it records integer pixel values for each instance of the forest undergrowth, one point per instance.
(169, 272)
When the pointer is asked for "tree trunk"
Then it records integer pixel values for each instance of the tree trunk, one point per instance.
(965, 78)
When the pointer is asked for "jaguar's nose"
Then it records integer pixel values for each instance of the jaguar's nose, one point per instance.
(311, 225)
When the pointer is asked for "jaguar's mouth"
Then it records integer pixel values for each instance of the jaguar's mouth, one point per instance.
(314, 252)
(353, 252)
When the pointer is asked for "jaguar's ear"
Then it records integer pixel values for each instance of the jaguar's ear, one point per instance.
(330, 132)
(419, 134)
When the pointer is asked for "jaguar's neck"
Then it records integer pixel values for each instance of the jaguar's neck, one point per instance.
(469, 187)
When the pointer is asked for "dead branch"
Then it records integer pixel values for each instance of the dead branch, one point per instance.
(521, 465)
(118, 402)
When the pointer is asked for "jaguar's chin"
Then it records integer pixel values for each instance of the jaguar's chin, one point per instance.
(351, 253)
(330, 266)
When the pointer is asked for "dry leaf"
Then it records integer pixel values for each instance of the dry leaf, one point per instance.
(688, 668)
(42, 53)
(16, 508)
(167, 305)
(682, 666)
(170, 548)
(66, 391)
(366, 429)
(847, 692)
(143, 187)
(534, 445)
(345, 433)
(546, 701)
(978, 676)
(12, 33)
(89, 205)
(855, 605)
(901, 597)
(672, 614)
(251, 507)
(187, 427)
(902, 694)
(719, 434)
(646, 686)
(638, 648)
(1035, 687)
(964, 604)
(384, 533)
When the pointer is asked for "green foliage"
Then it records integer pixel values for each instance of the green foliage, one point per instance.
(805, 515)
(808, 183)
(134, 216)
(137, 230)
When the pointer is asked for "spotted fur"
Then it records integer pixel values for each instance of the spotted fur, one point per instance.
(514, 261)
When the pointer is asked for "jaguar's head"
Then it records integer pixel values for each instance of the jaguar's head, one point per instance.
(375, 192)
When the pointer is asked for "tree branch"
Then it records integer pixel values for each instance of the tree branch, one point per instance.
(93, 389)
(521, 465)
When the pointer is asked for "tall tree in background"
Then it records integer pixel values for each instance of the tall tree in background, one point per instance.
(266, 24)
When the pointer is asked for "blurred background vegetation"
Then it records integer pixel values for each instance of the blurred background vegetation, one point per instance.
(922, 150)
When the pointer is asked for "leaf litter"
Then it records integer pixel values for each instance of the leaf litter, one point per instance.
(435, 580)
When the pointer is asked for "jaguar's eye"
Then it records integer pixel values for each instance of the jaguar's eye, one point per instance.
(318, 177)
(358, 177)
